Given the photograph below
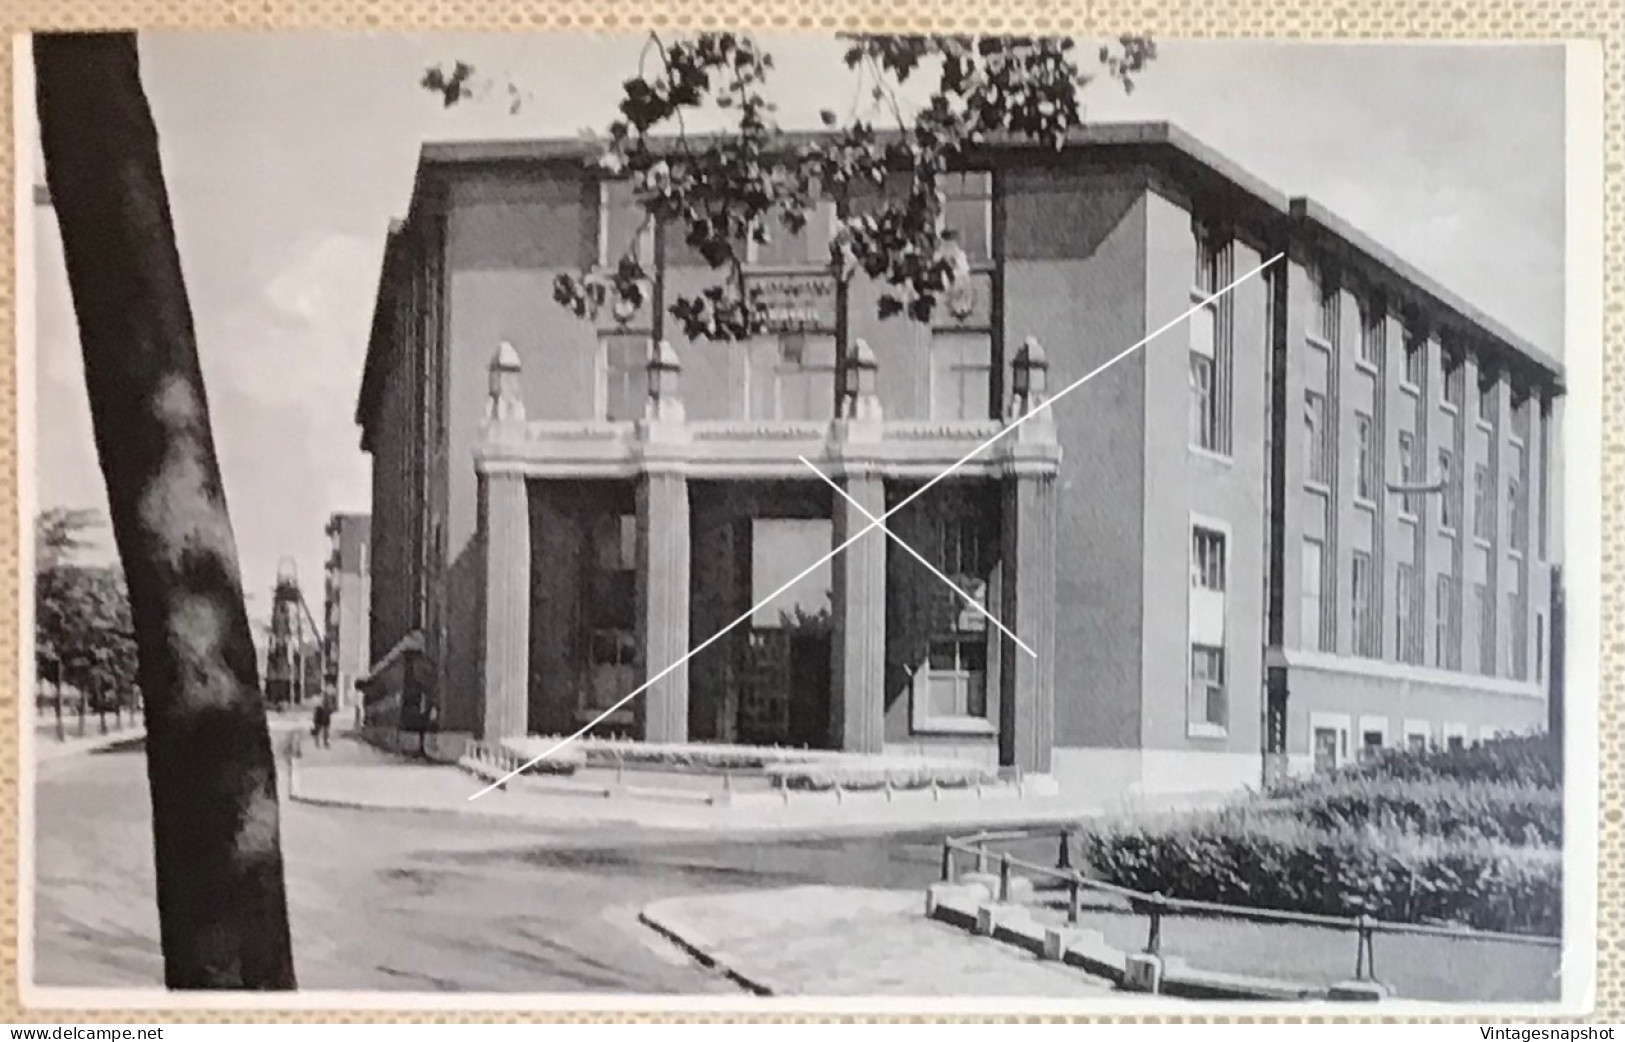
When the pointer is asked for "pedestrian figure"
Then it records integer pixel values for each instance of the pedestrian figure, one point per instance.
(323, 724)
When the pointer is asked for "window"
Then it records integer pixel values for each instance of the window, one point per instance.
(1365, 478)
(1447, 501)
(1408, 615)
(1207, 707)
(1446, 647)
(1517, 502)
(1373, 334)
(1204, 377)
(1329, 308)
(951, 689)
(1488, 399)
(1313, 633)
(1483, 502)
(1210, 346)
(624, 377)
(1410, 502)
(1417, 736)
(1540, 647)
(786, 249)
(624, 227)
(961, 375)
(1371, 744)
(1329, 738)
(1315, 438)
(1365, 620)
(956, 681)
(1416, 360)
(804, 380)
(1516, 647)
(1545, 475)
(1455, 377)
(961, 548)
(1456, 742)
(1485, 606)
(967, 212)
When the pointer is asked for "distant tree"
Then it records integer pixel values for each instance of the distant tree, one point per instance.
(748, 182)
(59, 534)
(222, 908)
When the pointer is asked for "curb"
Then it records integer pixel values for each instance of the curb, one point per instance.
(692, 941)
(50, 752)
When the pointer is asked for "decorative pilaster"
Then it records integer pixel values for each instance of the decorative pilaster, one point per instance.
(858, 595)
(504, 522)
(1027, 589)
(663, 601)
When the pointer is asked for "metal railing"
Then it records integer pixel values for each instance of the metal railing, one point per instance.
(1157, 906)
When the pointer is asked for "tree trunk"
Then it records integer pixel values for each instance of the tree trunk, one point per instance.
(221, 902)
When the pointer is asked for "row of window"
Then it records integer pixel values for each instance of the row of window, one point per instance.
(1334, 739)
(1408, 616)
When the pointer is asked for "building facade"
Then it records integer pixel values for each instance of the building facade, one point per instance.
(347, 606)
(1225, 550)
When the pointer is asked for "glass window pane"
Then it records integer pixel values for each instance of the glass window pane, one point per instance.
(942, 696)
(1204, 326)
(942, 657)
(973, 656)
(976, 695)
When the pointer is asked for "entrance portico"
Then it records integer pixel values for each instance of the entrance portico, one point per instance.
(701, 496)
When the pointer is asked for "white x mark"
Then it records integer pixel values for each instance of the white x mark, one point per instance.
(876, 523)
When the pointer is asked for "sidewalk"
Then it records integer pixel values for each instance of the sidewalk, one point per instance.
(47, 749)
(835, 941)
(355, 776)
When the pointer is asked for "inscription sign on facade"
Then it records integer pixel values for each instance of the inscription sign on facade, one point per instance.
(801, 302)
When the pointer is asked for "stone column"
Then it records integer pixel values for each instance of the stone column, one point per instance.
(858, 573)
(504, 522)
(663, 599)
(1027, 593)
(858, 596)
(505, 518)
(663, 552)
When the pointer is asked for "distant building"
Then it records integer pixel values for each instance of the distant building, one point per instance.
(1309, 520)
(347, 606)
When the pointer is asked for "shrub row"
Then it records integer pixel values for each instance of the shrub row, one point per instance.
(1532, 760)
(1267, 861)
(1504, 812)
(859, 777)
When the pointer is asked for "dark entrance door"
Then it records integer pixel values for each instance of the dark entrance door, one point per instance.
(809, 690)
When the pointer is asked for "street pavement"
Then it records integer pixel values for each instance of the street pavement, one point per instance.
(414, 901)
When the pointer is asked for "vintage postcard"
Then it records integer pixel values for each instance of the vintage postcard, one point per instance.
(726, 520)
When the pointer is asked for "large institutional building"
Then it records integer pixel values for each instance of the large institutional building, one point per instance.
(1312, 518)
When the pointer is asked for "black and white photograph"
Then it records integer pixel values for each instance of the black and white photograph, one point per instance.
(727, 520)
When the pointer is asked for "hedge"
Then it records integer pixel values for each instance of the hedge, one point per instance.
(900, 774)
(1504, 812)
(1533, 760)
(1267, 861)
